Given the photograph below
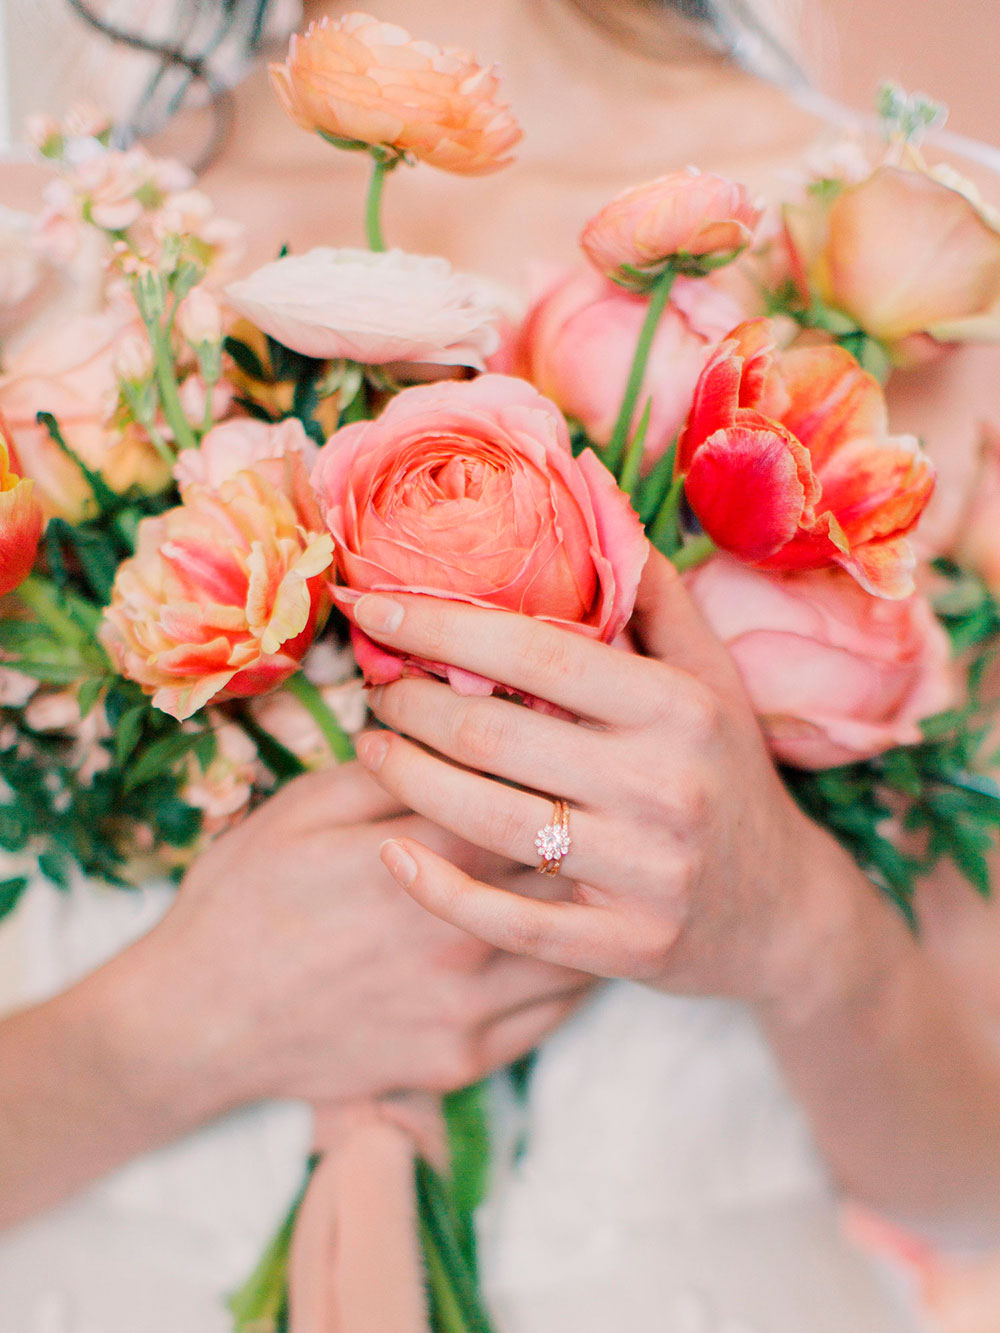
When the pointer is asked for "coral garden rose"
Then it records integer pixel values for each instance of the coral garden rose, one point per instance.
(372, 307)
(579, 338)
(21, 523)
(366, 82)
(470, 491)
(834, 675)
(690, 219)
(235, 445)
(789, 463)
(911, 256)
(225, 592)
(70, 370)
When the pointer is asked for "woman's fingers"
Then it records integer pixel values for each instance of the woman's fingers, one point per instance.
(590, 939)
(586, 678)
(519, 1032)
(478, 809)
(496, 736)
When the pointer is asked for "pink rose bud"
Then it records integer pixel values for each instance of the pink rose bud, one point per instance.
(225, 592)
(199, 318)
(366, 82)
(834, 674)
(134, 359)
(578, 340)
(469, 491)
(690, 220)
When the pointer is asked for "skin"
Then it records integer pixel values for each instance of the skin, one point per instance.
(690, 870)
(861, 1017)
(289, 966)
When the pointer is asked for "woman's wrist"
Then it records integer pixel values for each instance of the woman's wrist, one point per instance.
(841, 945)
(162, 1040)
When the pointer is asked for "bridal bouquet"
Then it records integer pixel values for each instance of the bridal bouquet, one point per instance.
(200, 473)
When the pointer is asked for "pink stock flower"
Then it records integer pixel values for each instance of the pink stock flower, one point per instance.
(578, 340)
(834, 675)
(367, 82)
(692, 219)
(372, 307)
(238, 444)
(911, 255)
(70, 370)
(225, 592)
(21, 523)
(222, 791)
(469, 491)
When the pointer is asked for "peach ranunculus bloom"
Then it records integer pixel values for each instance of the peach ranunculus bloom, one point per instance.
(470, 491)
(834, 674)
(911, 255)
(70, 370)
(373, 307)
(578, 340)
(235, 445)
(21, 523)
(365, 82)
(692, 220)
(789, 463)
(225, 592)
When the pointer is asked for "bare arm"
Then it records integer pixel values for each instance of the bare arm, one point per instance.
(290, 966)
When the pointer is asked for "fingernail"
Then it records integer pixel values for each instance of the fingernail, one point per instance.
(399, 863)
(372, 749)
(378, 613)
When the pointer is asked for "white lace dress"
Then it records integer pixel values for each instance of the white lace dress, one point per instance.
(669, 1183)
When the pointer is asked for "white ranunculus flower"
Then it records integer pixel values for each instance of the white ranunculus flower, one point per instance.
(373, 307)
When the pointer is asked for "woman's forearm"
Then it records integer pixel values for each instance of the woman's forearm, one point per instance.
(109, 1069)
(900, 1078)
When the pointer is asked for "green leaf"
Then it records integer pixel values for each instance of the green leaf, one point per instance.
(246, 359)
(127, 730)
(54, 865)
(10, 893)
(89, 693)
(160, 756)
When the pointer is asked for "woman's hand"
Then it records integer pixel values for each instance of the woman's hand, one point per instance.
(326, 982)
(290, 965)
(690, 865)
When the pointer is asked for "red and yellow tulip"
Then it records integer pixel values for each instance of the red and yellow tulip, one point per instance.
(789, 463)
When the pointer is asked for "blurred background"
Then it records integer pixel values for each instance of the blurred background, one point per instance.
(948, 50)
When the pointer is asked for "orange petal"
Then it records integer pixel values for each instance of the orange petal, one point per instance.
(830, 400)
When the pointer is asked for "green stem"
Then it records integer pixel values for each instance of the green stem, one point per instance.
(260, 1303)
(447, 1312)
(166, 381)
(309, 696)
(694, 553)
(663, 534)
(381, 167)
(659, 296)
(42, 598)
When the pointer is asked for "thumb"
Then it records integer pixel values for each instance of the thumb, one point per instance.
(667, 625)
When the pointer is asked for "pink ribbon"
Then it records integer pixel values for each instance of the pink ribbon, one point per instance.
(356, 1264)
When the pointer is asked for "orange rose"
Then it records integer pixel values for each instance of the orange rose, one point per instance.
(20, 523)
(225, 592)
(690, 219)
(911, 256)
(358, 80)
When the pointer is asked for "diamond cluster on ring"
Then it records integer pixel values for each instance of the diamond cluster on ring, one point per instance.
(552, 842)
